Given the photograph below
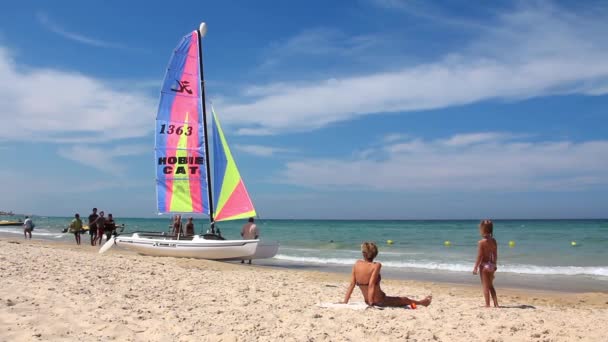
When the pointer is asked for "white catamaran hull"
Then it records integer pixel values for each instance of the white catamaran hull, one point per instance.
(264, 250)
(196, 248)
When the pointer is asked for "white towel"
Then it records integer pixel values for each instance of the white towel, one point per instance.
(351, 305)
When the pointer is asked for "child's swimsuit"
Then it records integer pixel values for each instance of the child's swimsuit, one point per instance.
(489, 266)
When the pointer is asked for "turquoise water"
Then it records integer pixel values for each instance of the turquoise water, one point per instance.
(542, 247)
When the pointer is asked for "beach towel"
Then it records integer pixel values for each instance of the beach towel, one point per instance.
(351, 305)
(357, 306)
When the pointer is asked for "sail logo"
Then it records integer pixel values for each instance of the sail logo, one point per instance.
(181, 165)
(183, 86)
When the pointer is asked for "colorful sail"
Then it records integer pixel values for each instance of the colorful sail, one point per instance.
(231, 198)
(181, 173)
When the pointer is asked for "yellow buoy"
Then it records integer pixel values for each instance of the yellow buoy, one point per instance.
(573, 243)
(511, 243)
(389, 242)
(447, 243)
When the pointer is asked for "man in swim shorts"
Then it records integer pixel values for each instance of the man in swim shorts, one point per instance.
(92, 227)
(101, 225)
(249, 232)
(28, 226)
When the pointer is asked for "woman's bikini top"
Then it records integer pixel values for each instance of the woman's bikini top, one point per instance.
(378, 282)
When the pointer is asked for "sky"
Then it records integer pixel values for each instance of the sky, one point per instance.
(363, 109)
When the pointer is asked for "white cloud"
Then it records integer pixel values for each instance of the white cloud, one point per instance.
(533, 51)
(391, 4)
(428, 11)
(475, 138)
(259, 150)
(104, 159)
(392, 137)
(319, 42)
(254, 131)
(46, 21)
(505, 164)
(61, 106)
(322, 41)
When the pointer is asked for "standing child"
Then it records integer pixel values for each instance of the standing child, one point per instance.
(487, 259)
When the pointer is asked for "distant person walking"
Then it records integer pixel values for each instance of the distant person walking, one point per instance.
(249, 232)
(28, 226)
(92, 227)
(76, 227)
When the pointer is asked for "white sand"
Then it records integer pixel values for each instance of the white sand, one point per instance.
(52, 291)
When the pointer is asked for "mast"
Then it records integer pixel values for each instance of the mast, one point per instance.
(200, 33)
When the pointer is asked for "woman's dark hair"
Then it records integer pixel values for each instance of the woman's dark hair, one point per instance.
(369, 250)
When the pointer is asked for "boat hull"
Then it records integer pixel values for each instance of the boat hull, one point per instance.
(10, 223)
(266, 249)
(196, 248)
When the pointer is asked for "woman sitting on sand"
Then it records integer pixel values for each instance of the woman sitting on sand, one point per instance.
(366, 275)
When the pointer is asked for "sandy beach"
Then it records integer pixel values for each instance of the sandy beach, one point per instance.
(55, 291)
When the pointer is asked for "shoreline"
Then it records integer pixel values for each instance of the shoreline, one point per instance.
(335, 272)
(54, 290)
(567, 284)
(511, 281)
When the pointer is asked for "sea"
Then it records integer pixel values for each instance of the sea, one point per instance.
(560, 255)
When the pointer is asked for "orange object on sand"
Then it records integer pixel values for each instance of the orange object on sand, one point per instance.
(413, 306)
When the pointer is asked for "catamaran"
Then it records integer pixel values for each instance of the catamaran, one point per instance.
(183, 176)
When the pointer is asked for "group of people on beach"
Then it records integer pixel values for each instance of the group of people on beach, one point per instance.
(366, 273)
(99, 225)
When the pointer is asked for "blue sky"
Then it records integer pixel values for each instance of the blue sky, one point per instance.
(364, 109)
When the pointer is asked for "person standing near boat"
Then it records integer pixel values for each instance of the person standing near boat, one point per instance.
(28, 226)
(190, 227)
(75, 227)
(109, 227)
(92, 227)
(177, 225)
(250, 232)
(101, 225)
